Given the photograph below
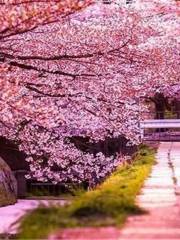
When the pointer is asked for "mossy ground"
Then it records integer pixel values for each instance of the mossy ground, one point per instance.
(108, 204)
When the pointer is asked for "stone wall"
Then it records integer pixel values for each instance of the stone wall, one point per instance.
(8, 185)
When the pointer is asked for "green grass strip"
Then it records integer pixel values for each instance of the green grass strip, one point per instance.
(108, 204)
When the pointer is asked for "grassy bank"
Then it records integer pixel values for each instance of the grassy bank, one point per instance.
(109, 204)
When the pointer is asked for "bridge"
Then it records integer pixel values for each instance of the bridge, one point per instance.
(165, 130)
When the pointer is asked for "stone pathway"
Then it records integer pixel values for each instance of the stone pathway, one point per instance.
(161, 197)
(10, 215)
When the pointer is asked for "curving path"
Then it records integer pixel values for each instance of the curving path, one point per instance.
(10, 215)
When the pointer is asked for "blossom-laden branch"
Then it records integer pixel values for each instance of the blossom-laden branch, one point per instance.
(19, 16)
(84, 78)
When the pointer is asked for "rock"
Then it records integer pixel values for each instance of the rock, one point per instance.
(8, 185)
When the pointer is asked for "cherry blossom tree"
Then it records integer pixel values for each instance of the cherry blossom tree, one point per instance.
(84, 77)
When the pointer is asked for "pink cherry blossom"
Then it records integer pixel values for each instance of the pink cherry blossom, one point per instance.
(84, 76)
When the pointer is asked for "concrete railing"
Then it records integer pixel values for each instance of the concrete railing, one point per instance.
(159, 124)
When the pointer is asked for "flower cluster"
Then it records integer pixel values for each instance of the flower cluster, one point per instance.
(54, 158)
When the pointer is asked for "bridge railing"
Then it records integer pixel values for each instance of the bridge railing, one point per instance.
(160, 129)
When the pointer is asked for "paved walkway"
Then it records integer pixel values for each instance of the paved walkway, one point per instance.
(161, 197)
(10, 215)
